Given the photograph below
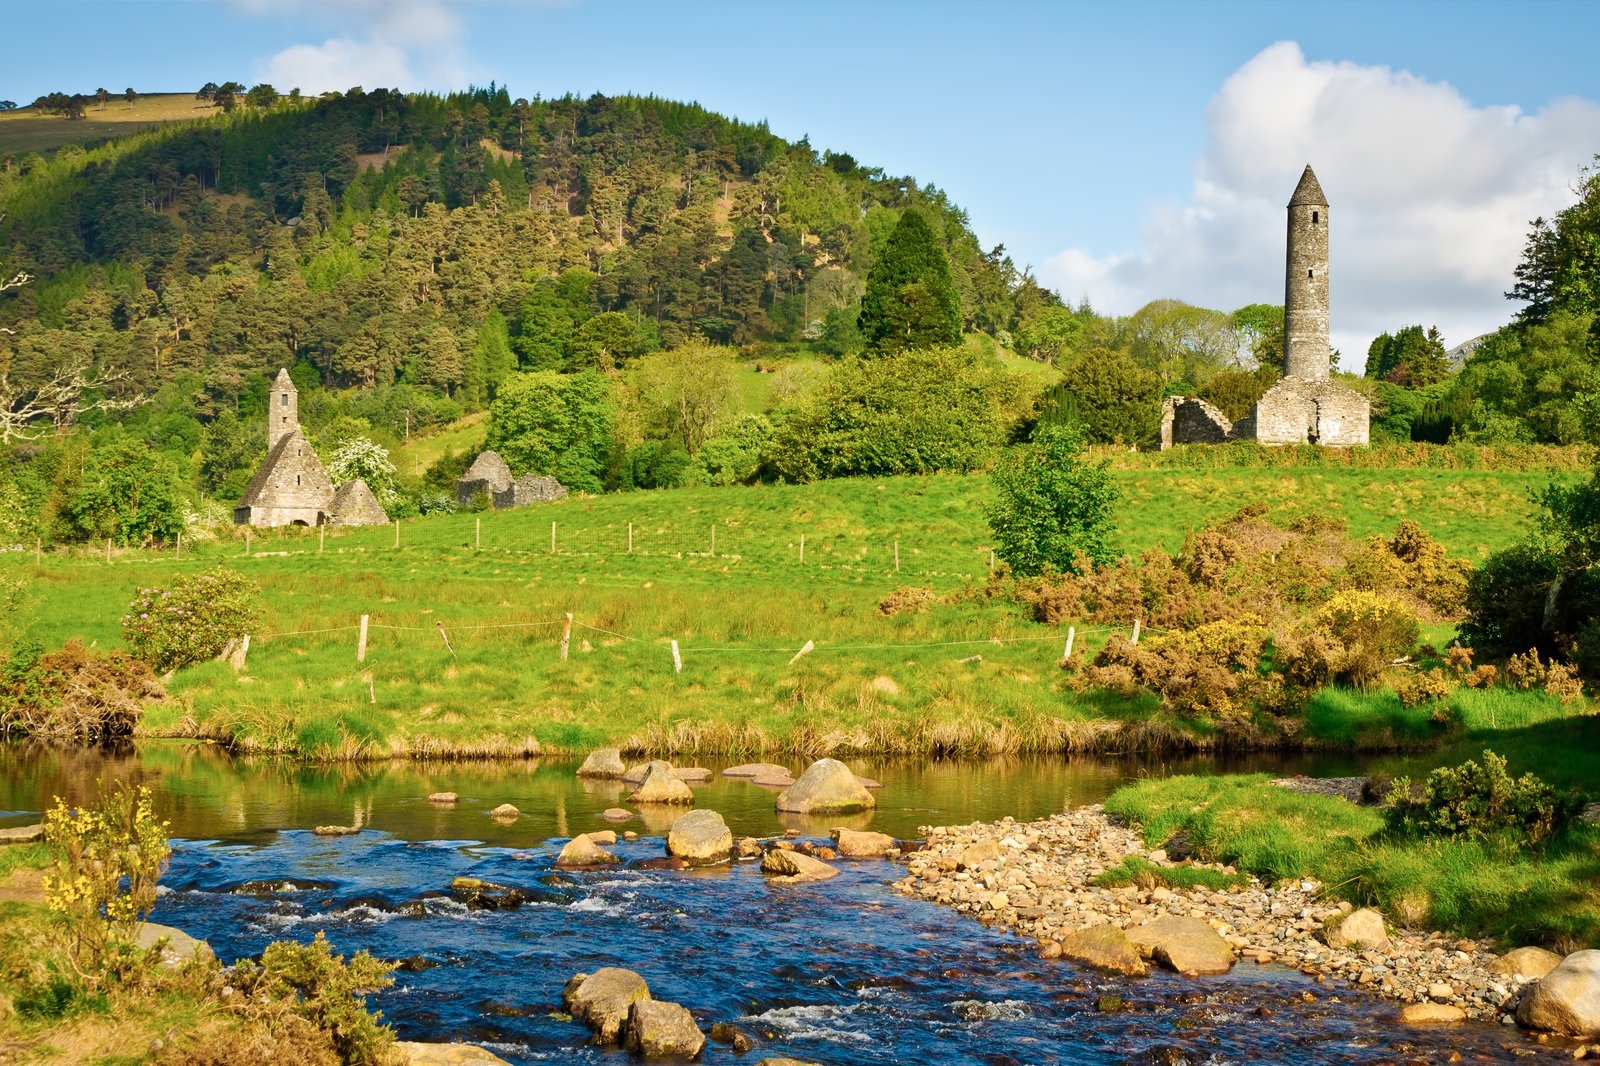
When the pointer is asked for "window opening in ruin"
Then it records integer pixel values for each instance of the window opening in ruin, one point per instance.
(1308, 273)
(283, 400)
(1313, 218)
(297, 479)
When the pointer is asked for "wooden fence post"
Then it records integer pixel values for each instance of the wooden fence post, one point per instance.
(897, 555)
(477, 533)
(566, 636)
(802, 547)
(1066, 654)
(552, 538)
(397, 532)
(677, 660)
(361, 642)
(1136, 631)
(713, 540)
(322, 535)
(809, 645)
(38, 551)
(446, 638)
(247, 535)
(630, 538)
(180, 544)
(108, 549)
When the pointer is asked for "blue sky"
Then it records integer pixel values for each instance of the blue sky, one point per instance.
(1125, 151)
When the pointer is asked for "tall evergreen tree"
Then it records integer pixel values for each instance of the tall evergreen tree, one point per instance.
(910, 300)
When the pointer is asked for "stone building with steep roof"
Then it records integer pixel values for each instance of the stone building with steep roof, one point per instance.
(488, 476)
(292, 488)
(1306, 406)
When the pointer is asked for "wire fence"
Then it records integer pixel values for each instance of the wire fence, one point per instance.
(680, 652)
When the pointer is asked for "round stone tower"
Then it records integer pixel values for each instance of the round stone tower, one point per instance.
(1305, 290)
(283, 417)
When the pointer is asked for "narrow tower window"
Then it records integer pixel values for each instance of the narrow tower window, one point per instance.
(1308, 273)
(297, 479)
(1314, 218)
(283, 400)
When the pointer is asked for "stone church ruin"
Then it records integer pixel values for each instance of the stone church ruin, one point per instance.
(490, 477)
(292, 488)
(1306, 406)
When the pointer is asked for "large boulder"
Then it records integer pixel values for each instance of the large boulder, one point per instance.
(606, 762)
(582, 851)
(1361, 930)
(856, 844)
(700, 838)
(661, 786)
(634, 774)
(1567, 999)
(1105, 947)
(602, 1000)
(1527, 963)
(827, 787)
(415, 1054)
(793, 868)
(177, 947)
(659, 1030)
(1186, 945)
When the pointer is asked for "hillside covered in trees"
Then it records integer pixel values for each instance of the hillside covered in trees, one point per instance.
(603, 277)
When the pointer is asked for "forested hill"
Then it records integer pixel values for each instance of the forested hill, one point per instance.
(373, 238)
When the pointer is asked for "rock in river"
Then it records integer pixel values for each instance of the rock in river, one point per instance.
(179, 947)
(617, 814)
(22, 834)
(1567, 999)
(581, 852)
(793, 868)
(606, 762)
(602, 1000)
(660, 1030)
(416, 1054)
(1432, 1014)
(336, 830)
(1104, 946)
(856, 844)
(443, 799)
(700, 838)
(1186, 945)
(635, 774)
(757, 769)
(661, 786)
(827, 787)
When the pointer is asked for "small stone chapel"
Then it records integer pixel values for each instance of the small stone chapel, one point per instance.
(292, 488)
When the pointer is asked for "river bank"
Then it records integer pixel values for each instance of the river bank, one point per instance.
(1054, 878)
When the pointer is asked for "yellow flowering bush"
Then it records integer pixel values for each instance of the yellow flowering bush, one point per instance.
(1351, 639)
(107, 860)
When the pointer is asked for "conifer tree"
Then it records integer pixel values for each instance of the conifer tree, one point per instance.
(910, 300)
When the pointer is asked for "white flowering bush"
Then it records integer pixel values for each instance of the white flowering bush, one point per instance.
(190, 622)
(359, 457)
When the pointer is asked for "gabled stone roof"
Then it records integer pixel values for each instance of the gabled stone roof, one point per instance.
(274, 484)
(1308, 193)
(355, 505)
(489, 467)
(282, 382)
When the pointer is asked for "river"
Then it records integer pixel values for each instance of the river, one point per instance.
(844, 972)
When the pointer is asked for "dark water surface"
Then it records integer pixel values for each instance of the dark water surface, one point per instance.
(845, 972)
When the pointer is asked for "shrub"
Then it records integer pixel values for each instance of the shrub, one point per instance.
(75, 693)
(1209, 672)
(1505, 600)
(1364, 632)
(108, 859)
(190, 622)
(1479, 800)
(1054, 505)
(1414, 562)
(327, 991)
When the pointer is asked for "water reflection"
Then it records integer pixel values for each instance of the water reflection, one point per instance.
(204, 792)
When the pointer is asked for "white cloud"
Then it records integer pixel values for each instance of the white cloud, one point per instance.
(1429, 199)
(404, 44)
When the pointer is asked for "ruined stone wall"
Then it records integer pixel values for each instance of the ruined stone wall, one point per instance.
(530, 488)
(488, 475)
(355, 505)
(1296, 411)
(1190, 420)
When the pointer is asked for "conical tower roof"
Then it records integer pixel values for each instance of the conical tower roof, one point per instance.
(282, 381)
(1308, 192)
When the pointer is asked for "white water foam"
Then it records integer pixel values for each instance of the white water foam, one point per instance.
(808, 1022)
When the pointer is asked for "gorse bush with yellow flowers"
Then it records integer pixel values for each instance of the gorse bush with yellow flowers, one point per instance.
(108, 859)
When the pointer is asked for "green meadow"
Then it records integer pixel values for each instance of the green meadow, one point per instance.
(791, 565)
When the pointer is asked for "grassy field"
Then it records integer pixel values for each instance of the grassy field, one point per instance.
(26, 130)
(974, 676)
